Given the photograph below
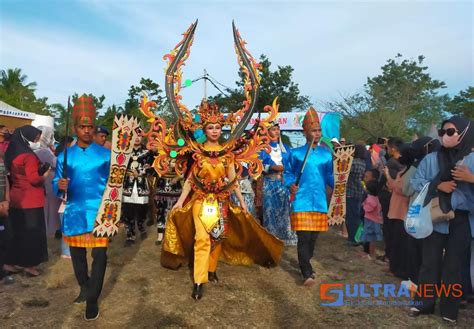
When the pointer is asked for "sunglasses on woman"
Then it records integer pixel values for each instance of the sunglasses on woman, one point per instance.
(449, 132)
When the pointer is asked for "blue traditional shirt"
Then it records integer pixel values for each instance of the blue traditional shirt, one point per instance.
(318, 174)
(277, 157)
(461, 199)
(88, 171)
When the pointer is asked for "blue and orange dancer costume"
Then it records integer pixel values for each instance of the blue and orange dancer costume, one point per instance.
(87, 173)
(310, 206)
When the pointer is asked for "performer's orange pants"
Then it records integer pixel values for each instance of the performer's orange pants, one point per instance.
(204, 260)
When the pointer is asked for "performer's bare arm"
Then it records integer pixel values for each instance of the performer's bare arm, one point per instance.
(184, 195)
(231, 175)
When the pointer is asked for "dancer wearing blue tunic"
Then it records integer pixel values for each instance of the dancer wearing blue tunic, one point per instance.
(87, 169)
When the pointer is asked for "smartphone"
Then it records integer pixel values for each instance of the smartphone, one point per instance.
(381, 141)
(44, 168)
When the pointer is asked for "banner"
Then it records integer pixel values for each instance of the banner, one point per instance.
(293, 121)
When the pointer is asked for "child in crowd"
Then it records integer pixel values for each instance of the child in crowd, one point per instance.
(372, 218)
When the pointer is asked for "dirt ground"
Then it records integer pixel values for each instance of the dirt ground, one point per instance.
(139, 293)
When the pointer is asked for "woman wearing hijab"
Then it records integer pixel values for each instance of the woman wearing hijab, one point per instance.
(445, 249)
(28, 247)
(411, 156)
(45, 153)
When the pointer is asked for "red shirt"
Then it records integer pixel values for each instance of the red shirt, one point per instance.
(27, 190)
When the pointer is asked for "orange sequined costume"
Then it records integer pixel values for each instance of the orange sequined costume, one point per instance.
(209, 226)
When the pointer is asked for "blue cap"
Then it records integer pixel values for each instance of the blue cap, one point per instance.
(101, 130)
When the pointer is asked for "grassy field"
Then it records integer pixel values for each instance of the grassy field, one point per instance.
(139, 293)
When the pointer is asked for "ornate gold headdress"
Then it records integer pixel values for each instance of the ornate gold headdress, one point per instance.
(209, 113)
(244, 146)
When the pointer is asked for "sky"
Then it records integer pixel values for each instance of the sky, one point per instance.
(105, 46)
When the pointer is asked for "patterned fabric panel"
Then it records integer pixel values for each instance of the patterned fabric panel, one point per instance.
(86, 241)
(309, 221)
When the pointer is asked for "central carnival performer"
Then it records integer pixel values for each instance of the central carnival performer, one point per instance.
(204, 225)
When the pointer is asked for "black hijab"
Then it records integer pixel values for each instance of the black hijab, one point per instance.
(448, 158)
(423, 146)
(19, 143)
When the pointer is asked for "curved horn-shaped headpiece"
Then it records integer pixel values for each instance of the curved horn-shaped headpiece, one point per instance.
(249, 66)
(252, 81)
(176, 59)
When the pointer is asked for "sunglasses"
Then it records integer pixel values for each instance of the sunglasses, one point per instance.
(449, 132)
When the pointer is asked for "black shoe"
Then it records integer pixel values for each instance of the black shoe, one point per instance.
(212, 276)
(413, 312)
(197, 291)
(81, 298)
(158, 242)
(58, 234)
(92, 311)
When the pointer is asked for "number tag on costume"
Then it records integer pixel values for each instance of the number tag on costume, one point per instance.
(209, 213)
(210, 210)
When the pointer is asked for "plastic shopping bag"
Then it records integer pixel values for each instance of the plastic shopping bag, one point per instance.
(418, 222)
(359, 232)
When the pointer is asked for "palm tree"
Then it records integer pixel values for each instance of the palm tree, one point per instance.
(15, 91)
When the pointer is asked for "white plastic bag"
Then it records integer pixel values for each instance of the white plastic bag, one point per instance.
(418, 222)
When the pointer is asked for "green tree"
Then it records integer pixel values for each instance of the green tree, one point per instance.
(107, 119)
(59, 112)
(463, 103)
(15, 91)
(401, 101)
(272, 84)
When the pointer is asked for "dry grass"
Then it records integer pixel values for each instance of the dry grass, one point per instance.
(139, 293)
(36, 302)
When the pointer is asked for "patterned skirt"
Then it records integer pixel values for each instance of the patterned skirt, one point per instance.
(309, 221)
(276, 210)
(86, 240)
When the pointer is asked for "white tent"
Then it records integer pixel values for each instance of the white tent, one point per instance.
(12, 117)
